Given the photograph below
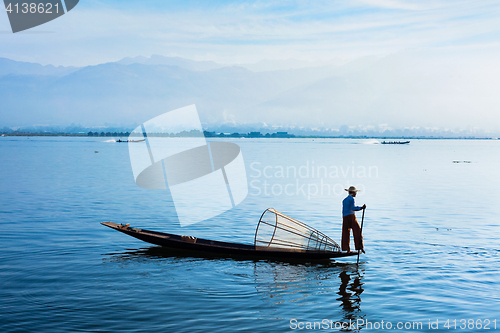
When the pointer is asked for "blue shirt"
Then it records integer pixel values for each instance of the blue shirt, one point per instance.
(348, 206)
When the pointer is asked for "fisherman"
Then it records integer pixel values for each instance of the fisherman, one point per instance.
(350, 222)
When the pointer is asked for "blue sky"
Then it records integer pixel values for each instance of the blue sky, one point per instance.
(440, 66)
(236, 32)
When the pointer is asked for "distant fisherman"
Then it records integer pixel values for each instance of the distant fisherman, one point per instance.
(350, 222)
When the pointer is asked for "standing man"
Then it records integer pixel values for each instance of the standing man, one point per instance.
(350, 222)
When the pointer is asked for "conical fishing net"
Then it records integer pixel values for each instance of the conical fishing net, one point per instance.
(277, 231)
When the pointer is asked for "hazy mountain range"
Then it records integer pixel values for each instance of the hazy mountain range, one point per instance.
(409, 90)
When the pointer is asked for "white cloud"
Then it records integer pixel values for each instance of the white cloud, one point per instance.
(394, 4)
(251, 31)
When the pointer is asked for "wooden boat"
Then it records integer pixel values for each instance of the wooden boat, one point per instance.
(120, 140)
(318, 245)
(395, 142)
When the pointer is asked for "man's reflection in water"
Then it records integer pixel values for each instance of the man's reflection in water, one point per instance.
(350, 290)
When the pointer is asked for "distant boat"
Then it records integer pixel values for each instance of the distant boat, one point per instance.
(277, 236)
(119, 140)
(395, 142)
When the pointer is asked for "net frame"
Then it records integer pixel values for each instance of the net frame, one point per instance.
(311, 238)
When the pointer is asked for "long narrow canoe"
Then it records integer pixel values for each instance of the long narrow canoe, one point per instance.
(395, 142)
(205, 246)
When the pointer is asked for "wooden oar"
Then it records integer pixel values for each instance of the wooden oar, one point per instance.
(361, 233)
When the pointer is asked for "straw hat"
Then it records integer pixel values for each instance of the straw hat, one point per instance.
(351, 189)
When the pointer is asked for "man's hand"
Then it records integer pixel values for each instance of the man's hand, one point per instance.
(364, 207)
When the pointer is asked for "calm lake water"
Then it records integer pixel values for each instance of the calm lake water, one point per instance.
(431, 237)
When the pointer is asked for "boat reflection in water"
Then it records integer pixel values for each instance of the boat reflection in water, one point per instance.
(277, 289)
(295, 282)
(321, 286)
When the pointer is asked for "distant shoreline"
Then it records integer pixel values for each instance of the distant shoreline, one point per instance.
(277, 135)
